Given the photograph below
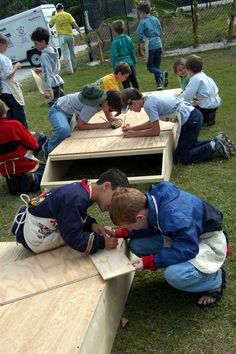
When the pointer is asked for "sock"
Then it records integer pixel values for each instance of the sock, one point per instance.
(213, 145)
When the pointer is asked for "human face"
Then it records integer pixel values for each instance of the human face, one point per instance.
(104, 196)
(122, 77)
(40, 45)
(135, 105)
(106, 107)
(181, 70)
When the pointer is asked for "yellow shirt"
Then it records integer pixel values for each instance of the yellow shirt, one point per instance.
(63, 21)
(108, 82)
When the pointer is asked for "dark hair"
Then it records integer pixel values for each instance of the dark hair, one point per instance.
(118, 26)
(194, 63)
(114, 101)
(122, 68)
(144, 6)
(116, 177)
(180, 61)
(59, 6)
(130, 94)
(40, 34)
(3, 39)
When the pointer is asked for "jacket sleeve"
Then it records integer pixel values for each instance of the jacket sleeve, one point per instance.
(122, 233)
(139, 32)
(191, 90)
(74, 233)
(47, 73)
(113, 55)
(26, 138)
(185, 246)
(132, 52)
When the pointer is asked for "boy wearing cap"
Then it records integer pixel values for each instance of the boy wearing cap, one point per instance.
(85, 105)
(64, 23)
(60, 216)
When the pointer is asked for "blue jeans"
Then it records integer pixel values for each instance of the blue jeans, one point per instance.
(183, 276)
(38, 175)
(189, 149)
(153, 64)
(16, 111)
(67, 48)
(61, 125)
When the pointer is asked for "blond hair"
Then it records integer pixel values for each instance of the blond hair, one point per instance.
(126, 204)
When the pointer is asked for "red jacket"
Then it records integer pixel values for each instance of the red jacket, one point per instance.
(15, 141)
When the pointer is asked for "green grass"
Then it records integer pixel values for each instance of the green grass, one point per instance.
(162, 319)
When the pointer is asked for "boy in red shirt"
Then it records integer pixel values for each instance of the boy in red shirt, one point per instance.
(22, 170)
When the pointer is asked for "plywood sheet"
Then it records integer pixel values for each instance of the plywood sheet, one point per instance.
(52, 322)
(23, 277)
(111, 263)
(114, 145)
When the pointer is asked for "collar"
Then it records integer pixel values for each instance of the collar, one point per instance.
(86, 184)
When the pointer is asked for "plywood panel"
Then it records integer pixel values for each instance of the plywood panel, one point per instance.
(111, 263)
(28, 276)
(52, 322)
(114, 145)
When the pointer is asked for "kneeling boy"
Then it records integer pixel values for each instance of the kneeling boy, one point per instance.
(173, 229)
(59, 216)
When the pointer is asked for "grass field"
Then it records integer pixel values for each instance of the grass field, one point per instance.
(162, 319)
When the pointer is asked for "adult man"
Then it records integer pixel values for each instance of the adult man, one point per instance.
(64, 22)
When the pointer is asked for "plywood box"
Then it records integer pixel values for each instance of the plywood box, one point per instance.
(81, 317)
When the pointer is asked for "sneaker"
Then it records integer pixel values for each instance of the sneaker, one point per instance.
(165, 78)
(221, 148)
(225, 139)
(159, 88)
(27, 182)
(45, 150)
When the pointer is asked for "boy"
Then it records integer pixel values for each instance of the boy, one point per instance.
(112, 81)
(50, 65)
(23, 172)
(180, 70)
(10, 91)
(201, 90)
(173, 229)
(122, 50)
(188, 149)
(60, 216)
(85, 105)
(150, 28)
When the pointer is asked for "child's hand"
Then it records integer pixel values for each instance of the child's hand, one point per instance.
(116, 123)
(129, 134)
(126, 128)
(110, 231)
(38, 70)
(110, 242)
(99, 229)
(138, 265)
(17, 65)
(47, 94)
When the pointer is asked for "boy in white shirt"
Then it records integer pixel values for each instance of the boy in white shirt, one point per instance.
(201, 90)
(10, 92)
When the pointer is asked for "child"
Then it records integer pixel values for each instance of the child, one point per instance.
(122, 49)
(181, 72)
(11, 92)
(23, 172)
(85, 105)
(202, 90)
(60, 216)
(112, 81)
(150, 28)
(173, 229)
(188, 149)
(50, 65)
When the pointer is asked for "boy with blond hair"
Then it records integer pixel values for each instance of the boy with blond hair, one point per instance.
(175, 230)
(10, 91)
(122, 49)
(112, 81)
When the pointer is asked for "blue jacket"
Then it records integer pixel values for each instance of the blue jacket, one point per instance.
(150, 27)
(68, 206)
(181, 216)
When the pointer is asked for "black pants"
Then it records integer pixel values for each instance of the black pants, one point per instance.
(208, 114)
(16, 111)
(132, 80)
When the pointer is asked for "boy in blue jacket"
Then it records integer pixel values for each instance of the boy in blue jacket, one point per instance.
(173, 229)
(59, 216)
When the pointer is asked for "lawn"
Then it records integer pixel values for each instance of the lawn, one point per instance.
(162, 319)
